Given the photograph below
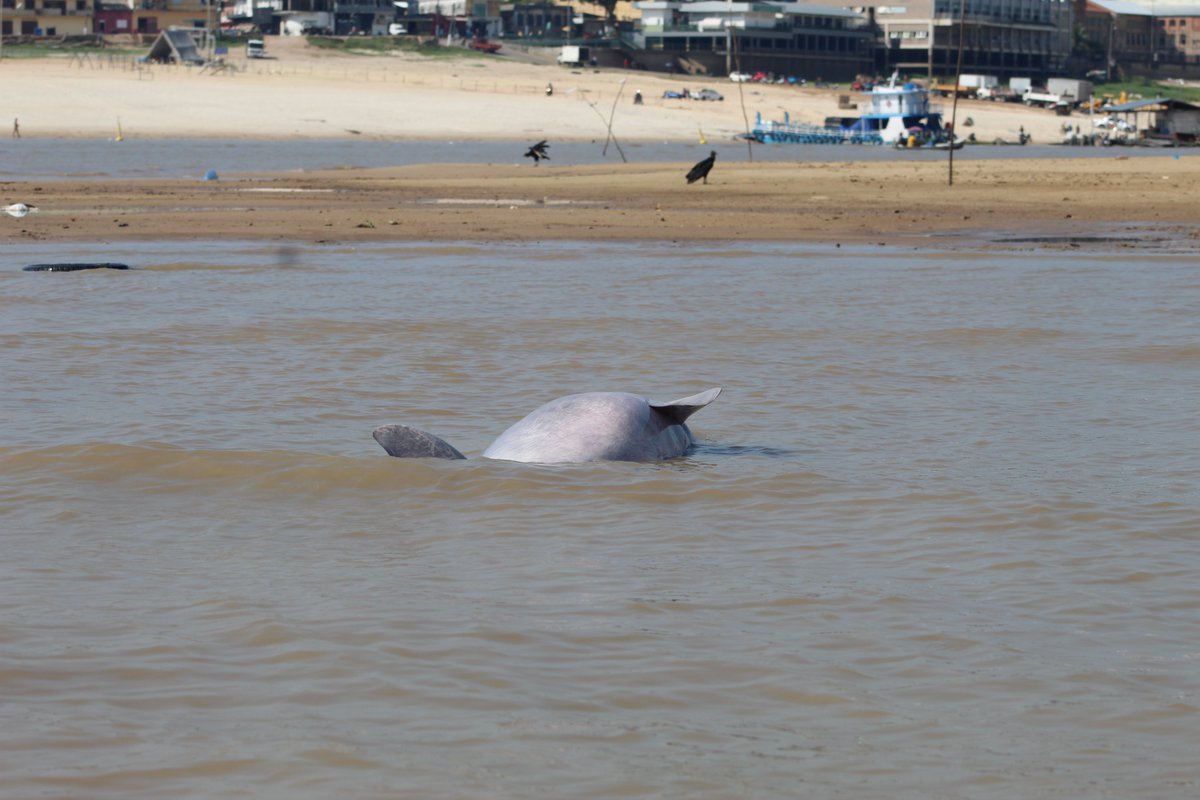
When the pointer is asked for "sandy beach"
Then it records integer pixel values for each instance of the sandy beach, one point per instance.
(304, 91)
(312, 94)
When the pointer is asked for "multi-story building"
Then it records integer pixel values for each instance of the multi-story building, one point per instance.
(1135, 38)
(338, 17)
(46, 17)
(1177, 37)
(1116, 36)
(459, 18)
(546, 20)
(362, 16)
(1000, 37)
(785, 38)
(151, 16)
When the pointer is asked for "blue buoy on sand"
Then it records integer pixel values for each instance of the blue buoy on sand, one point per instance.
(211, 175)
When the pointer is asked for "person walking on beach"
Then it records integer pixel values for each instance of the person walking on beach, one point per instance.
(16, 128)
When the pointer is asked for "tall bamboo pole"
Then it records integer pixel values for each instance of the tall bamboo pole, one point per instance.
(962, 35)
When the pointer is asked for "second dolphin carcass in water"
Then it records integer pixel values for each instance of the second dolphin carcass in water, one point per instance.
(595, 426)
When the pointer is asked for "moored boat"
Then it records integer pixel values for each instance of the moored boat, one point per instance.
(896, 113)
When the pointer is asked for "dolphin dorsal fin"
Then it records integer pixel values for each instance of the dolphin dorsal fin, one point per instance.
(677, 411)
(402, 441)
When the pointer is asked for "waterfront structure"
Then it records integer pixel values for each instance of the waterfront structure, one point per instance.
(1165, 121)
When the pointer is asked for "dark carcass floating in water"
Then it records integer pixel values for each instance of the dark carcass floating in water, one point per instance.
(74, 266)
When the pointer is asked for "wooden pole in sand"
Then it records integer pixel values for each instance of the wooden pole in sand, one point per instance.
(962, 32)
(612, 114)
(737, 60)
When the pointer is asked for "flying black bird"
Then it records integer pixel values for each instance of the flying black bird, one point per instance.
(702, 169)
(538, 151)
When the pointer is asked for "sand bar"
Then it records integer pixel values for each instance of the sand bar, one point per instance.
(994, 203)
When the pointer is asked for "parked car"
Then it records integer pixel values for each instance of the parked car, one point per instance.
(707, 94)
(739, 77)
(484, 46)
(1116, 124)
(397, 29)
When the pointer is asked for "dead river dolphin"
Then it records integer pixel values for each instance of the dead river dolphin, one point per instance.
(594, 426)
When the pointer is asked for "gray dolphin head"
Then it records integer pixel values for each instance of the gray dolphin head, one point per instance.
(594, 426)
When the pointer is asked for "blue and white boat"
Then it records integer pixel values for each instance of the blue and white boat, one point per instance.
(895, 113)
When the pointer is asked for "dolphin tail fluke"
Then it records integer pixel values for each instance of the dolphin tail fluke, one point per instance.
(679, 410)
(402, 441)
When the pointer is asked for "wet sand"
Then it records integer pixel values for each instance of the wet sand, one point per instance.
(992, 203)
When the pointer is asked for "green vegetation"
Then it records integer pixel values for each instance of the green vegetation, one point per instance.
(1148, 89)
(381, 45)
(67, 49)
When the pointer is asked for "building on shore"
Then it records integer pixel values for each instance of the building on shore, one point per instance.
(1005, 38)
(46, 17)
(1177, 31)
(718, 37)
(148, 17)
(1161, 119)
(1037, 39)
(1002, 37)
(1122, 38)
(330, 17)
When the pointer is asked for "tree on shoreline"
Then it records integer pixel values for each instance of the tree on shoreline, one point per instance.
(610, 11)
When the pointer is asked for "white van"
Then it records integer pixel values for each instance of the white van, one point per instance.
(255, 48)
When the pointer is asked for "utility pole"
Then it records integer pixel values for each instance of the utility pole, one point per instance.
(729, 38)
(212, 39)
(962, 33)
(1108, 56)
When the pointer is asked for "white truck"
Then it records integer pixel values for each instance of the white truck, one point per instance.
(1081, 91)
(978, 82)
(1045, 98)
(573, 55)
(998, 94)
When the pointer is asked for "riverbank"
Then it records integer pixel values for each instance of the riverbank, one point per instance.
(306, 92)
(316, 95)
(1139, 202)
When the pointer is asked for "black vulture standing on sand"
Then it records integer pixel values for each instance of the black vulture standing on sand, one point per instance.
(537, 152)
(702, 169)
